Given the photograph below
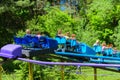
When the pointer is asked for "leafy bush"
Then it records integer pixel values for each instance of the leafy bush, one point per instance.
(51, 22)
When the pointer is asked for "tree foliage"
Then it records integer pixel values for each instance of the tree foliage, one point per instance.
(95, 19)
(51, 22)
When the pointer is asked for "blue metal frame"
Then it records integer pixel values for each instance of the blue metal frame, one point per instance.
(35, 42)
(80, 49)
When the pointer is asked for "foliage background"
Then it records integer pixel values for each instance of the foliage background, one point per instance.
(95, 19)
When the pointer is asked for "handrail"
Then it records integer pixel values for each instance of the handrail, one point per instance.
(68, 63)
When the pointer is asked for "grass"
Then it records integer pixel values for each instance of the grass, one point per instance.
(87, 73)
(10, 77)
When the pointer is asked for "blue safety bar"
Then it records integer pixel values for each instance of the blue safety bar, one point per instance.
(108, 52)
(97, 48)
(60, 40)
(17, 40)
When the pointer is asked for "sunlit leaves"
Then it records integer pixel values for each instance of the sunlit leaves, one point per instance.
(100, 13)
(24, 3)
(2, 9)
(55, 19)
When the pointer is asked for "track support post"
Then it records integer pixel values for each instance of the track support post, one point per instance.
(30, 71)
(95, 73)
(62, 72)
(1, 69)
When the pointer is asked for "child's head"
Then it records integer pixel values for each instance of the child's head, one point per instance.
(38, 33)
(28, 31)
(98, 41)
(59, 31)
(110, 45)
(67, 33)
(73, 35)
(115, 48)
(104, 44)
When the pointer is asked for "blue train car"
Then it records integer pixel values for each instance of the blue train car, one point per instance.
(35, 42)
(92, 54)
(107, 52)
(70, 47)
(74, 46)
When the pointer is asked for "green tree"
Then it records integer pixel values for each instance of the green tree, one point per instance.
(101, 16)
(51, 22)
(13, 15)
